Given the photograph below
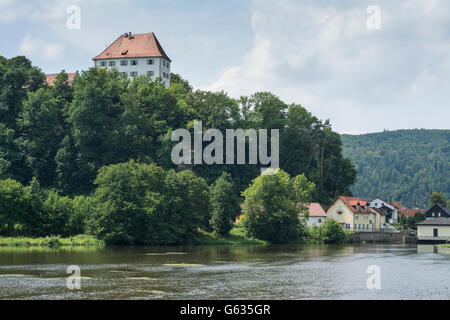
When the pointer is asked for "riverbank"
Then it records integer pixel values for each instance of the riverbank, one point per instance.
(53, 242)
(235, 238)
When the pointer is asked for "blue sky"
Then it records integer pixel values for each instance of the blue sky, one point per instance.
(316, 53)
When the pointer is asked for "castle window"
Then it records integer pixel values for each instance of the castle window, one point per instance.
(112, 63)
(134, 62)
(103, 64)
(123, 62)
(150, 61)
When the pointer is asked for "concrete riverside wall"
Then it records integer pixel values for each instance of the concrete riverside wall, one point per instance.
(401, 237)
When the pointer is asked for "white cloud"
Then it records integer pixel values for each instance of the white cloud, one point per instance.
(34, 47)
(324, 57)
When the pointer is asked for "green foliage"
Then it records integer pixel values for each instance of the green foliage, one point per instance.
(437, 198)
(142, 204)
(407, 165)
(271, 209)
(54, 140)
(224, 204)
(411, 221)
(332, 232)
(329, 232)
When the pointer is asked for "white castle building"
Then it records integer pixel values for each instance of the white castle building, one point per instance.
(136, 54)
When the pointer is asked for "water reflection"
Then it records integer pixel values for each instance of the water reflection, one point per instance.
(225, 272)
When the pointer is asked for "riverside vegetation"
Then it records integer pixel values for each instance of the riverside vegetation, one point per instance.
(93, 157)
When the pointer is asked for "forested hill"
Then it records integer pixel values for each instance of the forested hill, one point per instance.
(408, 165)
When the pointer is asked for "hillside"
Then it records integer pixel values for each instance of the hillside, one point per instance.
(407, 164)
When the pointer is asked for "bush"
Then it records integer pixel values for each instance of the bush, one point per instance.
(272, 204)
(142, 204)
(225, 205)
(332, 232)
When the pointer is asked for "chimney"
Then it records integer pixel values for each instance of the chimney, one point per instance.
(125, 35)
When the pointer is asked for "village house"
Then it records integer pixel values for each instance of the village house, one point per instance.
(404, 211)
(135, 55)
(50, 78)
(389, 210)
(354, 214)
(316, 215)
(434, 230)
(437, 211)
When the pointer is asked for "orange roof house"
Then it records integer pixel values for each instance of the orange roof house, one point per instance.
(144, 45)
(315, 210)
(51, 78)
(356, 214)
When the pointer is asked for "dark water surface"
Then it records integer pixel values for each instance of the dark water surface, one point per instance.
(227, 272)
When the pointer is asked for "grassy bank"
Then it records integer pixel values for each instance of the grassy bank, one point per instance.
(236, 238)
(54, 242)
(445, 246)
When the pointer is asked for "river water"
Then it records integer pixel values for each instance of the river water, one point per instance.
(227, 272)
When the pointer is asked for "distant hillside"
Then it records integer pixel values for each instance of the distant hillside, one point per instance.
(407, 164)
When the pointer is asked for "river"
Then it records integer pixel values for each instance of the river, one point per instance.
(227, 272)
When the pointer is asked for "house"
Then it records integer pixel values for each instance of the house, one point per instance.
(434, 230)
(390, 211)
(354, 214)
(136, 54)
(437, 211)
(404, 211)
(50, 78)
(316, 215)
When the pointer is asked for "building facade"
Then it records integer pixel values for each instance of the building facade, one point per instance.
(434, 230)
(136, 55)
(316, 215)
(389, 210)
(437, 211)
(354, 214)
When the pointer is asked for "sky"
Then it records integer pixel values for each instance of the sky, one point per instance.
(368, 66)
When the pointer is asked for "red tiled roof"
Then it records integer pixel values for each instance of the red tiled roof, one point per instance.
(315, 210)
(144, 45)
(411, 212)
(398, 205)
(351, 203)
(51, 78)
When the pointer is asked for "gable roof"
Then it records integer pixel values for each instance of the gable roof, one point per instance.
(435, 222)
(144, 45)
(351, 203)
(410, 212)
(315, 210)
(51, 78)
(443, 208)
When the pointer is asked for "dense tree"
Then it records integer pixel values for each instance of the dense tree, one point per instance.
(142, 204)
(407, 165)
(54, 140)
(437, 198)
(17, 77)
(332, 231)
(271, 208)
(224, 205)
